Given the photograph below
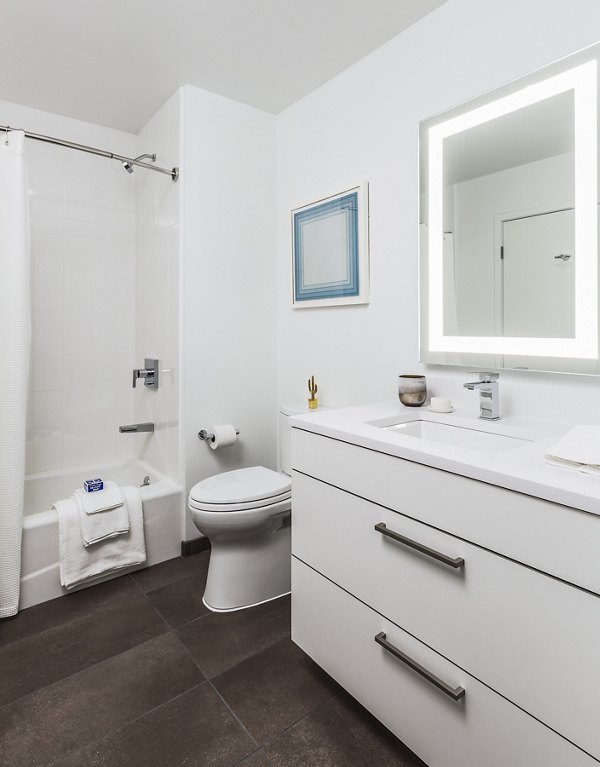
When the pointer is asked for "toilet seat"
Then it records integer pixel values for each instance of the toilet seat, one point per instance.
(252, 488)
(225, 507)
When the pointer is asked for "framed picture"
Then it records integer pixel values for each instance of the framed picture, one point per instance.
(330, 250)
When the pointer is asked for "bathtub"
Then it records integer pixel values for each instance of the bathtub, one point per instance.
(162, 499)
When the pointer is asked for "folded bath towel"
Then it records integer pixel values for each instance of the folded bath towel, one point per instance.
(102, 500)
(578, 449)
(103, 525)
(79, 564)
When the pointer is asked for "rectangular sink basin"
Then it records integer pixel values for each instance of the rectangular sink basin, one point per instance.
(458, 436)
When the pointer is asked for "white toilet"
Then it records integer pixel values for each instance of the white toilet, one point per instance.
(246, 516)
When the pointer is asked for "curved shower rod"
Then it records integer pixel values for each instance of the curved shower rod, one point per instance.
(127, 162)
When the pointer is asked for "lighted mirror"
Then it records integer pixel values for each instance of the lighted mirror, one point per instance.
(509, 225)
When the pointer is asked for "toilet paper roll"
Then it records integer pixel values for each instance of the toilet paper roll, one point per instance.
(224, 436)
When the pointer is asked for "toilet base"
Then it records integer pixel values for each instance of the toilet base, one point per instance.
(248, 571)
(245, 607)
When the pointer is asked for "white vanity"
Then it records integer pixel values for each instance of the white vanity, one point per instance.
(451, 586)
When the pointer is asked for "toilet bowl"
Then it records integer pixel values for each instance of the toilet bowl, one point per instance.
(245, 514)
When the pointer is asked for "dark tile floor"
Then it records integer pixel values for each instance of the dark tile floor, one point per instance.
(137, 671)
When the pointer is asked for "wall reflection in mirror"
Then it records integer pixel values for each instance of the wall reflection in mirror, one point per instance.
(508, 224)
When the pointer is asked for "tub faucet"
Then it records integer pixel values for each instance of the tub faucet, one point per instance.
(149, 373)
(134, 428)
(489, 395)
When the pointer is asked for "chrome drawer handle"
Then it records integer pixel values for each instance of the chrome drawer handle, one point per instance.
(456, 693)
(455, 562)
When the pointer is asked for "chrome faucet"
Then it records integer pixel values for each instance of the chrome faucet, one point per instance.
(489, 395)
(135, 428)
(149, 373)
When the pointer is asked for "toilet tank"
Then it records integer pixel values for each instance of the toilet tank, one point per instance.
(285, 435)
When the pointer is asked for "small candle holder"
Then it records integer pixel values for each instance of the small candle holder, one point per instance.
(412, 390)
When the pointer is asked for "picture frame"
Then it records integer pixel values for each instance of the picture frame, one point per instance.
(330, 250)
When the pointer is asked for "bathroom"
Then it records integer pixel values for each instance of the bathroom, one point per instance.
(197, 273)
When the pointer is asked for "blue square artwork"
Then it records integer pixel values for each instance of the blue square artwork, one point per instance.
(326, 249)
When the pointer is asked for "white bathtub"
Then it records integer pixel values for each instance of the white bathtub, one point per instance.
(162, 499)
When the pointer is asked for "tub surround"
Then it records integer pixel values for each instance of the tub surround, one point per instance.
(422, 570)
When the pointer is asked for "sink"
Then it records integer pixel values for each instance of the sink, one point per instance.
(459, 436)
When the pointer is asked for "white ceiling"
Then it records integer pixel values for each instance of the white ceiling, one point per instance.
(114, 62)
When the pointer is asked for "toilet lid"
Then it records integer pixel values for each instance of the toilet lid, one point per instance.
(241, 486)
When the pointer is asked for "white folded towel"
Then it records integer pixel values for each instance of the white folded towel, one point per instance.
(110, 497)
(101, 526)
(577, 449)
(79, 564)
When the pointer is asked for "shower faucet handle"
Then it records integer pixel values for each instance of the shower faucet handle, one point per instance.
(149, 373)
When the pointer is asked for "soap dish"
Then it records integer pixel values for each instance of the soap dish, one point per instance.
(441, 412)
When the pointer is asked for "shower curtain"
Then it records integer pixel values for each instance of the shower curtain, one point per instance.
(15, 337)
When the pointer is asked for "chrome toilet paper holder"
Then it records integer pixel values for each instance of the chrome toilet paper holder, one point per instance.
(209, 435)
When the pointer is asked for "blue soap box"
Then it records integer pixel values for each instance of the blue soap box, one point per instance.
(93, 485)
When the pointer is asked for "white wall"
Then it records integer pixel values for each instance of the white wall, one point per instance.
(364, 125)
(157, 290)
(228, 283)
(82, 274)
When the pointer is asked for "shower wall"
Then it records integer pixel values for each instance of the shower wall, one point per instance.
(82, 211)
(157, 288)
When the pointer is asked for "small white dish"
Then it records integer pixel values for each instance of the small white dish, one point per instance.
(437, 410)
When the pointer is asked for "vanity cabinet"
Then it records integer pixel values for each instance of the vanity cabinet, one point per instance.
(405, 603)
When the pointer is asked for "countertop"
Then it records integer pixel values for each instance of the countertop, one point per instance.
(521, 468)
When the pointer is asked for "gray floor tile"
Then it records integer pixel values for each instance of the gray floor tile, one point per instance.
(173, 570)
(194, 730)
(66, 608)
(35, 661)
(257, 759)
(180, 602)
(49, 723)
(221, 640)
(340, 733)
(274, 689)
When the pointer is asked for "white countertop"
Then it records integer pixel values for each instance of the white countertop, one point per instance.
(521, 468)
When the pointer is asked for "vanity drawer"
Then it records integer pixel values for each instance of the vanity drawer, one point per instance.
(530, 637)
(555, 539)
(481, 728)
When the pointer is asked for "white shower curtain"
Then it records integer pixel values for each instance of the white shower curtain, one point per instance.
(14, 360)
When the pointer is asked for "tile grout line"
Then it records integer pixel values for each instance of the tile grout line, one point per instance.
(91, 744)
(252, 753)
(83, 670)
(259, 746)
(88, 615)
(164, 585)
(235, 716)
(231, 711)
(300, 719)
(163, 619)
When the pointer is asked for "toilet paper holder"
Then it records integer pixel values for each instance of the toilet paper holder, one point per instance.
(209, 435)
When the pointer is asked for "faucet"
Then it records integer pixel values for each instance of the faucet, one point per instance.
(149, 373)
(135, 428)
(489, 395)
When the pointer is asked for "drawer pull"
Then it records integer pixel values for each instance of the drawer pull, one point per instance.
(456, 693)
(455, 562)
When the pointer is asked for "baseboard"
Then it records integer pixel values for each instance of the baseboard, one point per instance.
(195, 546)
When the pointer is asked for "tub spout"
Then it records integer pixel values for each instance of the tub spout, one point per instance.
(134, 428)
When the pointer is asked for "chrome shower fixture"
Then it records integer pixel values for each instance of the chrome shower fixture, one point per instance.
(129, 167)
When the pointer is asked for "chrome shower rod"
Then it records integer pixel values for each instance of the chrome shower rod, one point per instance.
(173, 172)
